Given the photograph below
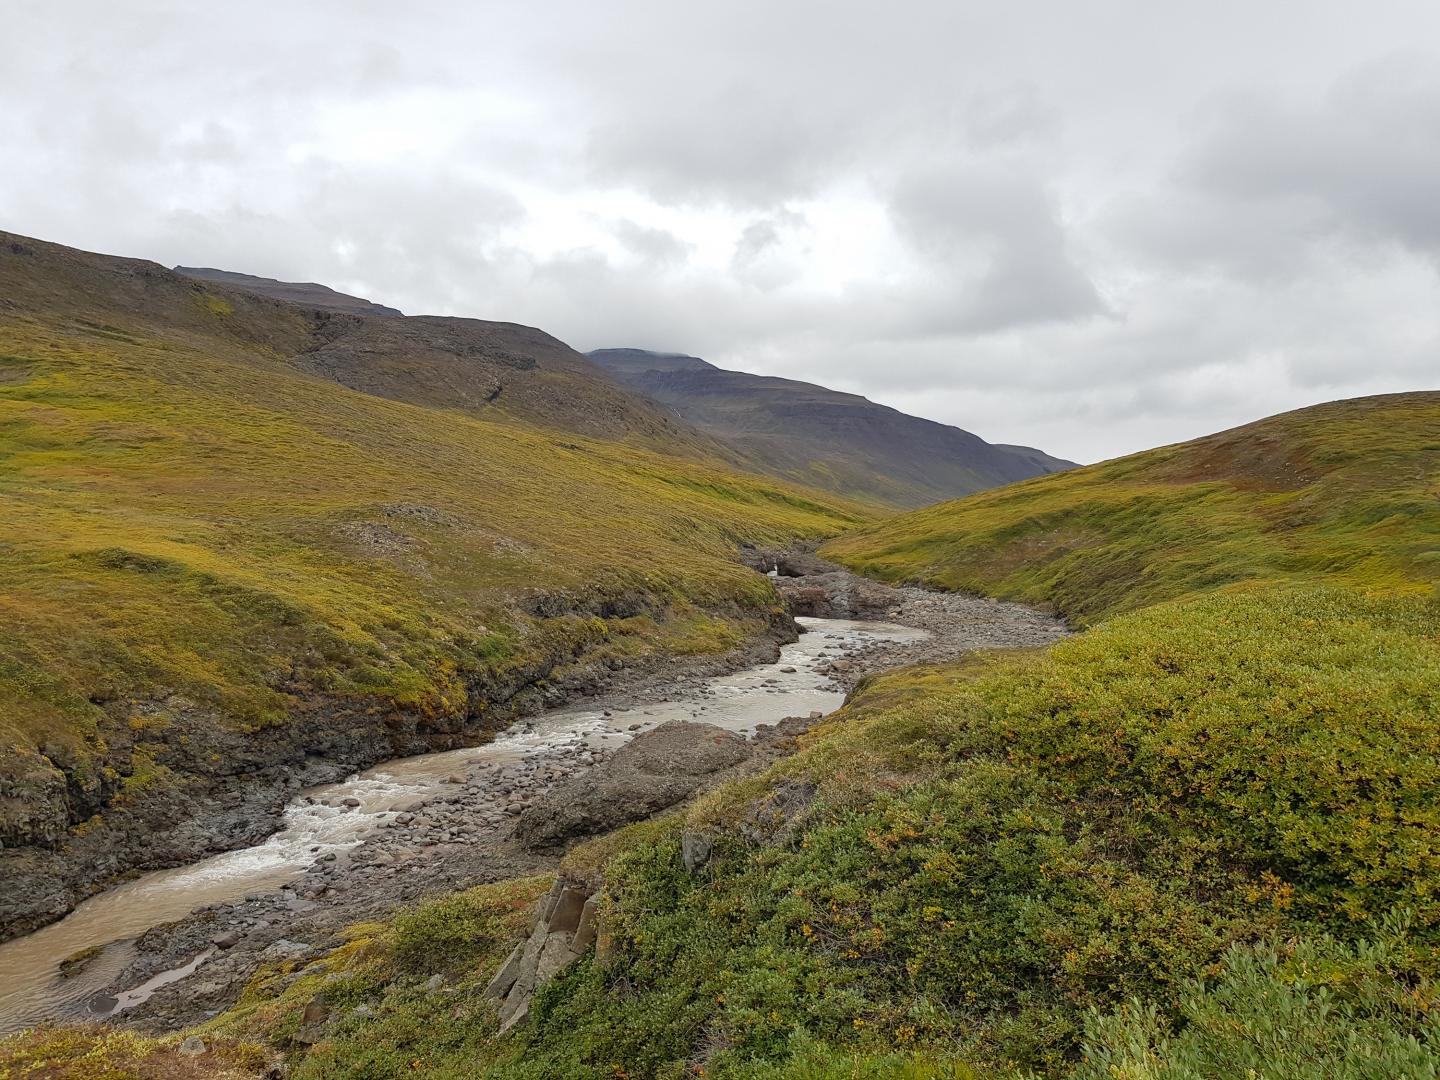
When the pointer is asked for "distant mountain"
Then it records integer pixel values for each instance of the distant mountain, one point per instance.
(484, 368)
(305, 293)
(823, 438)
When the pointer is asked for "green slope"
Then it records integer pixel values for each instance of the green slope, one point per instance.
(208, 555)
(1345, 491)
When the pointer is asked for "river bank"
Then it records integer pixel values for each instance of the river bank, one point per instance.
(362, 848)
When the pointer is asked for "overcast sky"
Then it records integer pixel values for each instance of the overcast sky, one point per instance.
(1090, 226)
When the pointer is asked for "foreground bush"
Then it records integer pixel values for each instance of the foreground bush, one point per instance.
(1313, 1010)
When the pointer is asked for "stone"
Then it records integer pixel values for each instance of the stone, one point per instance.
(504, 979)
(284, 949)
(350, 801)
(434, 983)
(554, 958)
(565, 916)
(315, 1012)
(655, 770)
(227, 940)
(585, 929)
(695, 850)
(191, 1046)
(513, 1012)
(547, 904)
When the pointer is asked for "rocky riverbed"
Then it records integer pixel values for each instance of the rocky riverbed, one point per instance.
(447, 821)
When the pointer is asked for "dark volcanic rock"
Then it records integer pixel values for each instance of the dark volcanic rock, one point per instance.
(307, 293)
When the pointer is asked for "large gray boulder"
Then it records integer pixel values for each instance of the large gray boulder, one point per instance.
(653, 771)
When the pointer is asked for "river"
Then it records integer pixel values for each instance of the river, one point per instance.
(32, 988)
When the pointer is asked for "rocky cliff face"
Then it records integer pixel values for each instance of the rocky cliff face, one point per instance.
(823, 438)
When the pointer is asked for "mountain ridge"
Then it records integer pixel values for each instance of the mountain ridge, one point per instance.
(305, 293)
(478, 367)
(825, 438)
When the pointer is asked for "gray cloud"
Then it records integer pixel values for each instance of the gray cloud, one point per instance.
(997, 243)
(1088, 227)
(1364, 159)
(659, 246)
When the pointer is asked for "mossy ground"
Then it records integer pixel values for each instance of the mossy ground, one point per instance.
(98, 1053)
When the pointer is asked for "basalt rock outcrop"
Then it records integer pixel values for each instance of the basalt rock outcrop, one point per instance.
(813, 587)
(564, 928)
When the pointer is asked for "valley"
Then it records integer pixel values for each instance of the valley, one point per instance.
(737, 541)
(388, 695)
(228, 576)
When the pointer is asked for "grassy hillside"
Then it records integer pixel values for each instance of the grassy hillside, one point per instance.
(202, 547)
(491, 370)
(1346, 491)
(1199, 840)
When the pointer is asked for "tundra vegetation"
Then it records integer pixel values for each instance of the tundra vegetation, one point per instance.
(201, 541)
(1198, 840)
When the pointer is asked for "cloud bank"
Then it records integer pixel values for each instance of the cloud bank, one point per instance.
(1092, 228)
